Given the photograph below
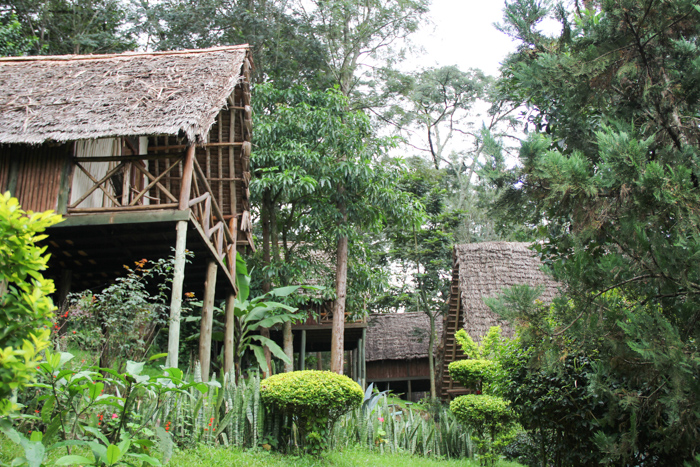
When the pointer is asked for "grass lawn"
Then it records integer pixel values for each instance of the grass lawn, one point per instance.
(350, 457)
(215, 456)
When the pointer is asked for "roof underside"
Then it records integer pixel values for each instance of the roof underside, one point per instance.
(485, 269)
(67, 98)
(399, 336)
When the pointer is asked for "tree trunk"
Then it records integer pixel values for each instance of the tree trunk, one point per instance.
(265, 215)
(341, 282)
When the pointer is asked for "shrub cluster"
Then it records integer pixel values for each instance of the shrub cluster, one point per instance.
(472, 373)
(313, 400)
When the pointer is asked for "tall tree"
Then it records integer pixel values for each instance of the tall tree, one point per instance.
(308, 144)
(611, 178)
(353, 32)
(72, 26)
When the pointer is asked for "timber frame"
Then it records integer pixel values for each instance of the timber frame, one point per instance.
(159, 172)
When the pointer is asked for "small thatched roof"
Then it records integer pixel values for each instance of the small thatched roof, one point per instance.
(485, 269)
(399, 336)
(72, 97)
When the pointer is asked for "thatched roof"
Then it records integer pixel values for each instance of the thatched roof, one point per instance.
(485, 269)
(399, 336)
(72, 97)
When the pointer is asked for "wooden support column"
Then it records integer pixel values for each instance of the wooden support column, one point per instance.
(229, 336)
(319, 361)
(64, 287)
(302, 351)
(187, 172)
(363, 360)
(410, 392)
(207, 320)
(176, 297)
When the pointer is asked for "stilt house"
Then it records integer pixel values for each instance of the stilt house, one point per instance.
(483, 270)
(144, 154)
(397, 352)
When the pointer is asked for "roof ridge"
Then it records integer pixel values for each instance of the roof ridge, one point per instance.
(130, 54)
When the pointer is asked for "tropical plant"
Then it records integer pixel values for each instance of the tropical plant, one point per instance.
(71, 409)
(26, 311)
(122, 321)
(253, 314)
(313, 401)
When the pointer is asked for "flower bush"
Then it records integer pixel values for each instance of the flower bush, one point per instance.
(313, 400)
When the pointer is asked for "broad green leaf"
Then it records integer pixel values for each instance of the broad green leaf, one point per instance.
(34, 452)
(284, 291)
(274, 348)
(158, 356)
(113, 454)
(260, 357)
(95, 390)
(145, 458)
(74, 460)
(134, 368)
(47, 409)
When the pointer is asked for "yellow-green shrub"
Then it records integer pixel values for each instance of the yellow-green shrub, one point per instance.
(26, 310)
(313, 400)
(491, 420)
(472, 373)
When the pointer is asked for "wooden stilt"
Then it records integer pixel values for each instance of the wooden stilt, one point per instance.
(410, 392)
(302, 351)
(319, 361)
(229, 336)
(363, 360)
(64, 287)
(207, 320)
(176, 297)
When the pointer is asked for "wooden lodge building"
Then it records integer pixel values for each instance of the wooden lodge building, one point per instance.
(397, 352)
(144, 154)
(483, 270)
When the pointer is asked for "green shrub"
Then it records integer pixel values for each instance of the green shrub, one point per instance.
(26, 310)
(472, 373)
(491, 420)
(313, 400)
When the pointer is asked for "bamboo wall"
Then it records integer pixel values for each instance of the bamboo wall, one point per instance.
(33, 174)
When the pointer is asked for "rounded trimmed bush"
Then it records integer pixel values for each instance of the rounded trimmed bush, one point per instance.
(313, 400)
(481, 411)
(471, 373)
(492, 421)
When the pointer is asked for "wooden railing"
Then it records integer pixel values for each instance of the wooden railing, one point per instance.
(120, 193)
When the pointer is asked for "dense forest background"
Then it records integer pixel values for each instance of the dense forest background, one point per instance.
(365, 176)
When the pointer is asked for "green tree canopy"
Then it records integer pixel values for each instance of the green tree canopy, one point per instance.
(610, 175)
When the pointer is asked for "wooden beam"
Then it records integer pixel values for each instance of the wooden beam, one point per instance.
(120, 217)
(176, 297)
(207, 320)
(205, 145)
(186, 186)
(140, 207)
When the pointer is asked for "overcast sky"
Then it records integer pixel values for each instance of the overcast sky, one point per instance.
(463, 34)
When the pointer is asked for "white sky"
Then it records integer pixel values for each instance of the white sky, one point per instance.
(463, 34)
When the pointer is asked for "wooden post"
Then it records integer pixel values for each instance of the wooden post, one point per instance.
(207, 320)
(229, 336)
(302, 351)
(363, 360)
(319, 361)
(288, 345)
(186, 186)
(176, 297)
(410, 392)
